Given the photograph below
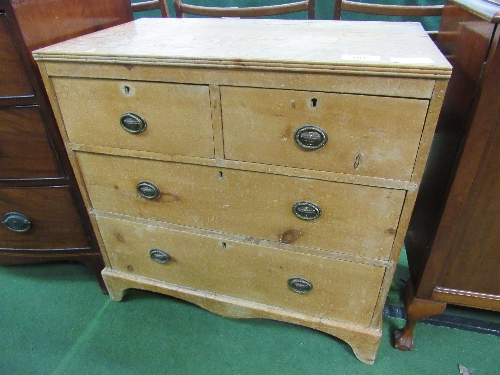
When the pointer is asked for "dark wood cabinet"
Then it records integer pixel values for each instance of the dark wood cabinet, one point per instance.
(41, 209)
(453, 241)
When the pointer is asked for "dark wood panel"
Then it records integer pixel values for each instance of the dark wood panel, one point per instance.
(13, 78)
(54, 219)
(25, 151)
(45, 22)
(473, 242)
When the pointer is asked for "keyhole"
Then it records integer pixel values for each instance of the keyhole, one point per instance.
(314, 102)
(221, 175)
(127, 90)
(224, 245)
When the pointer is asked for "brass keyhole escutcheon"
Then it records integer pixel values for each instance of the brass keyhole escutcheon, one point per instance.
(310, 137)
(133, 122)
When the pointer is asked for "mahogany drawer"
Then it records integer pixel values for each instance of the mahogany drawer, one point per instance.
(54, 222)
(366, 135)
(25, 150)
(177, 116)
(14, 81)
(355, 219)
(341, 290)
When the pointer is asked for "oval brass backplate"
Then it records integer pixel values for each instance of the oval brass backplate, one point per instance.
(300, 285)
(306, 210)
(148, 190)
(16, 222)
(310, 137)
(133, 122)
(159, 256)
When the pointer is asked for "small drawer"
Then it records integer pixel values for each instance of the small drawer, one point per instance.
(158, 117)
(318, 286)
(25, 150)
(354, 134)
(14, 81)
(39, 219)
(356, 219)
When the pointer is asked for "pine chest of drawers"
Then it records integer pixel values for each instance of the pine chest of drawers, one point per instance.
(256, 168)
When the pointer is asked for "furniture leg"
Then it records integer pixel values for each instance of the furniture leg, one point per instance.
(416, 309)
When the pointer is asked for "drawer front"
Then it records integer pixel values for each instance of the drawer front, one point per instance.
(25, 150)
(355, 219)
(14, 80)
(53, 222)
(177, 117)
(340, 290)
(366, 135)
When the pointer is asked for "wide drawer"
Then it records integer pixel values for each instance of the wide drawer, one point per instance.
(366, 135)
(14, 80)
(25, 150)
(354, 219)
(53, 220)
(341, 290)
(177, 117)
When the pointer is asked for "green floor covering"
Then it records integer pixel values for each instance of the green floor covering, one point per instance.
(54, 320)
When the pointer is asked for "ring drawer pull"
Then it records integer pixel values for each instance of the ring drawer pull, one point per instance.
(300, 285)
(306, 210)
(16, 222)
(310, 137)
(148, 190)
(133, 123)
(159, 256)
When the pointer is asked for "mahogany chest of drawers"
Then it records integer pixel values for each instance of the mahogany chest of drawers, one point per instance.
(257, 168)
(42, 213)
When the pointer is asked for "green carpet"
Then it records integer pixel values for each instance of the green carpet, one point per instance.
(54, 320)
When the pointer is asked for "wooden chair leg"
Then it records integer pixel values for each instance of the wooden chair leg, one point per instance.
(416, 309)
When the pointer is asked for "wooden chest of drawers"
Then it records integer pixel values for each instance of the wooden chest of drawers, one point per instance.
(257, 168)
(42, 213)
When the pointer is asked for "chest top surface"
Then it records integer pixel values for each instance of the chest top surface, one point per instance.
(255, 43)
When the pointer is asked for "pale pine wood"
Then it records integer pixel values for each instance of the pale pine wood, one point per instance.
(231, 214)
(396, 82)
(178, 117)
(367, 135)
(356, 219)
(280, 44)
(344, 291)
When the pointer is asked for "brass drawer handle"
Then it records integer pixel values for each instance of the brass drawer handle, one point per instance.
(159, 256)
(133, 123)
(148, 190)
(300, 285)
(16, 222)
(310, 137)
(306, 210)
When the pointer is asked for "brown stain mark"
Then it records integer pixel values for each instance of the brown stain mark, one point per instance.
(287, 133)
(169, 197)
(391, 231)
(290, 236)
(120, 237)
